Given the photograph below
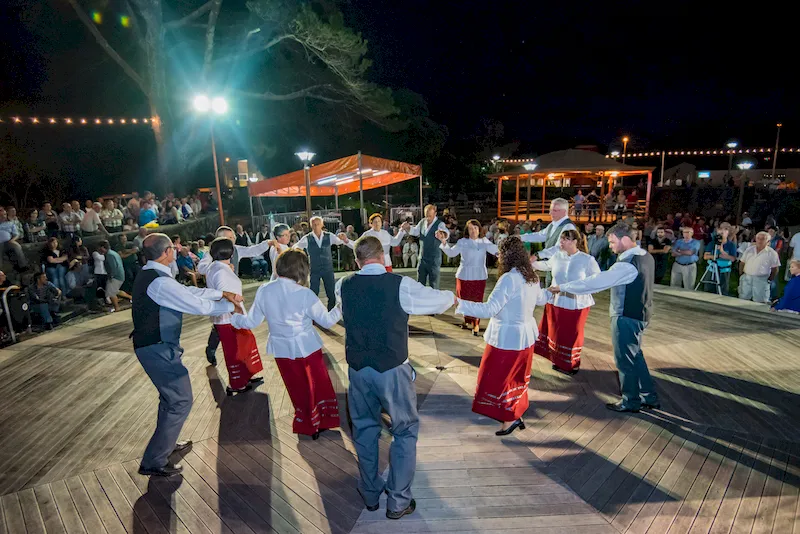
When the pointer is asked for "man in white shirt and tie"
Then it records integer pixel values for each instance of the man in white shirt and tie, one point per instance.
(430, 256)
(317, 245)
(551, 234)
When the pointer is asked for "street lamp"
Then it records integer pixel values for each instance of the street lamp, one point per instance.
(731, 144)
(744, 166)
(624, 147)
(530, 167)
(306, 157)
(218, 106)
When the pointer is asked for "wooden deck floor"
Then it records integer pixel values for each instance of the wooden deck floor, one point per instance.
(723, 455)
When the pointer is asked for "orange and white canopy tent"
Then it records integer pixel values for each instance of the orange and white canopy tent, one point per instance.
(338, 177)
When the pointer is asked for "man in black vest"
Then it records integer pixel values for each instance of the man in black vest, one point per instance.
(631, 282)
(318, 244)
(430, 255)
(551, 234)
(159, 303)
(239, 252)
(375, 309)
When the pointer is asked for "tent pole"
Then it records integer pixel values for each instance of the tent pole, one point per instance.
(544, 198)
(602, 197)
(420, 191)
(336, 196)
(516, 204)
(528, 205)
(661, 181)
(250, 203)
(360, 191)
(307, 175)
(499, 194)
(386, 199)
(647, 198)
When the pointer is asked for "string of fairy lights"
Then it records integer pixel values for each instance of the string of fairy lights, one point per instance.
(80, 121)
(657, 153)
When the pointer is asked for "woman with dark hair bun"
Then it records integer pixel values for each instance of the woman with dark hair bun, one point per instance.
(505, 371)
(239, 346)
(561, 330)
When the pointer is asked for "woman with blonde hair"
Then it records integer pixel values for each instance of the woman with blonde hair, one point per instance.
(505, 371)
(472, 273)
(561, 330)
(291, 309)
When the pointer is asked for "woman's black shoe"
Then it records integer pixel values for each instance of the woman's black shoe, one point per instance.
(519, 423)
(230, 391)
(315, 435)
(564, 371)
(257, 380)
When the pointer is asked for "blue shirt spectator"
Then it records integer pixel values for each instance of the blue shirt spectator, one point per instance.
(686, 244)
(185, 262)
(791, 295)
(730, 248)
(147, 216)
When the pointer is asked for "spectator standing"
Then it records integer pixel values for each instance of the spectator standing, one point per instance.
(621, 204)
(43, 298)
(659, 248)
(111, 217)
(758, 267)
(593, 205)
(100, 273)
(116, 274)
(726, 255)
(701, 230)
(578, 201)
(9, 242)
(130, 258)
(608, 206)
(76, 207)
(597, 244)
(34, 228)
(91, 223)
(686, 252)
(70, 221)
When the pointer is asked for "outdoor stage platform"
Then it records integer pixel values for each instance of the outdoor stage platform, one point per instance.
(723, 455)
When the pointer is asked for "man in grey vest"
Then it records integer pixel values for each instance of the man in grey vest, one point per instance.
(317, 245)
(551, 234)
(631, 282)
(159, 303)
(375, 308)
(239, 252)
(430, 255)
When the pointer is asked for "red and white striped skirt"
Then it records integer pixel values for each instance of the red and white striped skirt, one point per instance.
(561, 336)
(310, 389)
(471, 290)
(241, 354)
(503, 380)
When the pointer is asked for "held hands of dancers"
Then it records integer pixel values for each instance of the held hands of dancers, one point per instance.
(406, 227)
(441, 236)
(343, 237)
(555, 290)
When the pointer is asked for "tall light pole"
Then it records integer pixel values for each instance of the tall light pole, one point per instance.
(218, 106)
(530, 167)
(306, 157)
(775, 156)
(743, 166)
(624, 147)
(732, 144)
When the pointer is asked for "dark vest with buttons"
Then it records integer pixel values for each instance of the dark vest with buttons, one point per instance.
(376, 325)
(430, 252)
(635, 300)
(320, 257)
(152, 323)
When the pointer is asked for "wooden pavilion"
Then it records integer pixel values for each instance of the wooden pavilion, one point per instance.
(575, 167)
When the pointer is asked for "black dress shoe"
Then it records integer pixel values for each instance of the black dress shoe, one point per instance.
(397, 515)
(212, 359)
(519, 423)
(167, 471)
(182, 446)
(619, 407)
(257, 380)
(647, 406)
(230, 391)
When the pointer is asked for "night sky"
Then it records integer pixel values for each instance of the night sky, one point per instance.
(556, 75)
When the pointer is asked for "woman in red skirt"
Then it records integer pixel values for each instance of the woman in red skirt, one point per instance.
(561, 330)
(239, 346)
(505, 371)
(290, 309)
(471, 274)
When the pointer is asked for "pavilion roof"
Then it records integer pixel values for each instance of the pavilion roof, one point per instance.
(573, 161)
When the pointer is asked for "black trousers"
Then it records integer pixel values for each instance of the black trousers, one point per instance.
(213, 342)
(326, 275)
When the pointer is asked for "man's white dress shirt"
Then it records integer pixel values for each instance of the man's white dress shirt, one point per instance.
(168, 292)
(510, 307)
(386, 240)
(241, 253)
(566, 268)
(542, 235)
(221, 276)
(473, 257)
(303, 243)
(620, 274)
(421, 228)
(290, 311)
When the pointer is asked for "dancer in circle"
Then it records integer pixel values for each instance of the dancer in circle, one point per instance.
(505, 370)
(472, 273)
(290, 309)
(561, 330)
(430, 258)
(386, 239)
(239, 346)
(282, 234)
(317, 243)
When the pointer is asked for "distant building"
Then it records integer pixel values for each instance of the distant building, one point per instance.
(684, 173)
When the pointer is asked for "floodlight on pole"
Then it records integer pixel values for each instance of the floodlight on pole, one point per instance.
(201, 103)
(496, 157)
(731, 144)
(219, 106)
(306, 157)
(624, 147)
(744, 166)
(530, 167)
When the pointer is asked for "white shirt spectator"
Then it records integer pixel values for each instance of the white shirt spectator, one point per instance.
(510, 306)
(386, 240)
(760, 263)
(473, 257)
(794, 244)
(91, 221)
(566, 268)
(221, 276)
(99, 263)
(290, 310)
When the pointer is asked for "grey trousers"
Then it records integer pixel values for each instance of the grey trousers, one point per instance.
(428, 274)
(634, 376)
(392, 390)
(163, 365)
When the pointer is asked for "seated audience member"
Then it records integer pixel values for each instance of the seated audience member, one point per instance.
(9, 242)
(77, 251)
(790, 302)
(202, 247)
(80, 285)
(757, 268)
(195, 250)
(129, 225)
(34, 229)
(55, 263)
(186, 266)
(4, 283)
(43, 298)
(112, 217)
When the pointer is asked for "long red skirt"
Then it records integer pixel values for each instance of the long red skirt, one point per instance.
(241, 354)
(503, 379)
(471, 290)
(311, 392)
(561, 336)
